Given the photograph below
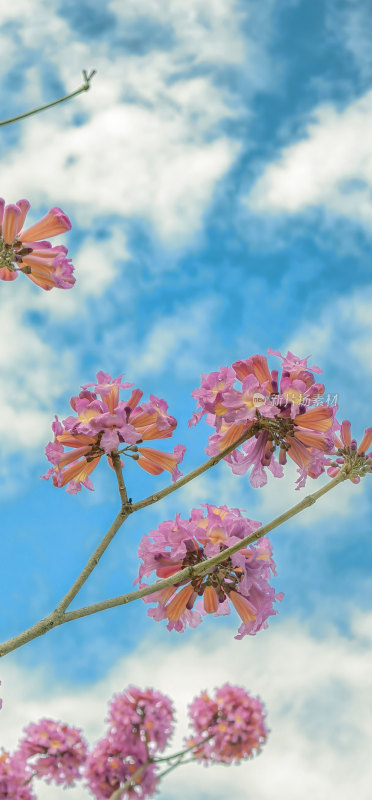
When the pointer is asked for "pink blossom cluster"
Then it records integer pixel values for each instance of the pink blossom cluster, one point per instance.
(281, 412)
(15, 776)
(55, 751)
(102, 423)
(25, 250)
(229, 726)
(346, 450)
(140, 724)
(108, 767)
(242, 579)
(142, 714)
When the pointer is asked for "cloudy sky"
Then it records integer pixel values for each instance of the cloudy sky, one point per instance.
(218, 177)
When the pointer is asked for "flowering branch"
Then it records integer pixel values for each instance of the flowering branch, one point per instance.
(116, 795)
(59, 616)
(84, 88)
(188, 573)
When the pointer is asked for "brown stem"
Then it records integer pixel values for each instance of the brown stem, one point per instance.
(116, 462)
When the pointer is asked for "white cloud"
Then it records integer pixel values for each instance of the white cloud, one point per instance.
(330, 167)
(349, 24)
(342, 334)
(316, 691)
(176, 341)
(33, 374)
(152, 145)
(144, 165)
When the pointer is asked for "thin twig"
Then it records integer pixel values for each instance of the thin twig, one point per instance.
(92, 563)
(83, 88)
(184, 752)
(154, 498)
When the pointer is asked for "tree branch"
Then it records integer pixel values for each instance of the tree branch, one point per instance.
(83, 88)
(59, 617)
(188, 573)
(154, 498)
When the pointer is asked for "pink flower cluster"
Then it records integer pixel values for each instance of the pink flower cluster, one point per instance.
(14, 777)
(359, 461)
(242, 579)
(108, 767)
(142, 714)
(26, 251)
(226, 728)
(140, 724)
(55, 751)
(103, 423)
(229, 727)
(280, 411)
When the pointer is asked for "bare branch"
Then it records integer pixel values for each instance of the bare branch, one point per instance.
(84, 88)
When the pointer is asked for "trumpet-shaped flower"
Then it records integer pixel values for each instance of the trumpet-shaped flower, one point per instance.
(109, 765)
(101, 425)
(55, 751)
(242, 580)
(229, 726)
(24, 250)
(278, 414)
(141, 716)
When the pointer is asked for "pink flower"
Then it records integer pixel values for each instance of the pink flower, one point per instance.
(281, 414)
(242, 579)
(355, 459)
(102, 424)
(141, 716)
(25, 251)
(234, 721)
(110, 765)
(60, 751)
(14, 777)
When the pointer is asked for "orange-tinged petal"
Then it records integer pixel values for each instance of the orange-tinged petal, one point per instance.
(75, 440)
(72, 456)
(153, 432)
(231, 435)
(366, 441)
(78, 472)
(163, 460)
(149, 467)
(54, 222)
(298, 452)
(311, 439)
(8, 274)
(319, 418)
(244, 608)
(10, 223)
(177, 606)
(210, 600)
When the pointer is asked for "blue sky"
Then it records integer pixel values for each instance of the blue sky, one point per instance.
(218, 177)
